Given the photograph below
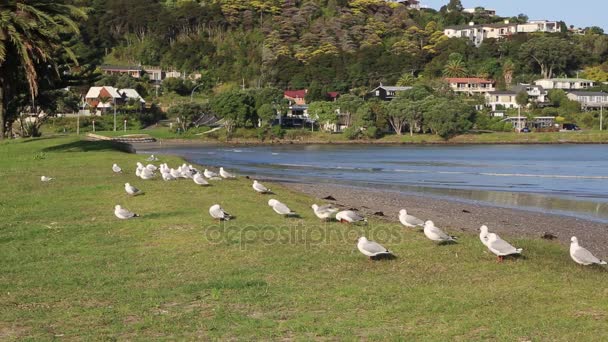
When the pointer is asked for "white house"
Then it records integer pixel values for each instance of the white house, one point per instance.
(129, 94)
(565, 83)
(502, 99)
(480, 11)
(589, 99)
(470, 85)
(478, 33)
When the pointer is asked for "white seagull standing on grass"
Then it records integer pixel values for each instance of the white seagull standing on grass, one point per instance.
(151, 167)
(210, 174)
(280, 208)
(152, 158)
(350, 216)
(409, 220)
(46, 179)
(146, 174)
(436, 234)
(501, 247)
(581, 255)
(123, 214)
(167, 176)
(131, 190)
(116, 168)
(259, 187)
(218, 213)
(226, 174)
(199, 179)
(324, 212)
(372, 249)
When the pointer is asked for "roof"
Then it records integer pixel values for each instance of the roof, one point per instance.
(131, 94)
(564, 80)
(391, 88)
(468, 80)
(524, 87)
(120, 67)
(333, 94)
(93, 92)
(295, 93)
(588, 93)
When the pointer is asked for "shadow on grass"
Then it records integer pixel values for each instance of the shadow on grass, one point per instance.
(90, 146)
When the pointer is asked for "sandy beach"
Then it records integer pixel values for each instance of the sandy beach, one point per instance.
(457, 216)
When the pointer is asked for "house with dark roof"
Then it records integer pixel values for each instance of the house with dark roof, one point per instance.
(131, 70)
(589, 99)
(387, 93)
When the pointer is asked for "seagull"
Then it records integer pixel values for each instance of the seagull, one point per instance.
(436, 234)
(280, 208)
(175, 173)
(167, 176)
(151, 167)
(218, 213)
(152, 158)
(46, 179)
(131, 190)
(501, 247)
(349, 216)
(409, 220)
(226, 174)
(146, 174)
(483, 235)
(138, 171)
(123, 214)
(209, 174)
(372, 249)
(199, 179)
(116, 169)
(257, 186)
(581, 255)
(324, 212)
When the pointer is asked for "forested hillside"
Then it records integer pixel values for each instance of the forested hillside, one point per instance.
(337, 44)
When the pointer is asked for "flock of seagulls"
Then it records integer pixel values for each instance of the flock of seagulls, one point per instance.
(494, 243)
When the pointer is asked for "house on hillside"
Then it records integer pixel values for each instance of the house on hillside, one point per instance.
(155, 74)
(589, 99)
(104, 98)
(101, 99)
(478, 33)
(565, 83)
(133, 71)
(296, 97)
(470, 85)
(481, 11)
(506, 99)
(387, 93)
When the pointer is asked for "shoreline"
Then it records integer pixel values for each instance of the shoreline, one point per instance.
(457, 217)
(184, 142)
(453, 215)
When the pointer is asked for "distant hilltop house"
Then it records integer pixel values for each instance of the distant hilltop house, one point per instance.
(471, 85)
(478, 33)
(565, 83)
(590, 99)
(102, 99)
(506, 99)
(154, 73)
(387, 93)
(411, 4)
(480, 11)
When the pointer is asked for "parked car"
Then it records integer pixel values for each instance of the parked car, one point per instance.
(569, 127)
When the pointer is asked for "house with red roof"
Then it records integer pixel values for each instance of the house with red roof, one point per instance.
(471, 85)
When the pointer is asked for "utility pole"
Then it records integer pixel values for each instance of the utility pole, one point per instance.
(602, 117)
(192, 93)
(114, 100)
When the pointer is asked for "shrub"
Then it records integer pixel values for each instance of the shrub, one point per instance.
(352, 133)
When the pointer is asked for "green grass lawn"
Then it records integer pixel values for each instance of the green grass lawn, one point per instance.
(69, 269)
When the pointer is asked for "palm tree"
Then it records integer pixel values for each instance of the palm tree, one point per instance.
(29, 36)
(455, 68)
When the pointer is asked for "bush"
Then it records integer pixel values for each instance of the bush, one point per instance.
(373, 132)
(277, 132)
(352, 133)
(295, 134)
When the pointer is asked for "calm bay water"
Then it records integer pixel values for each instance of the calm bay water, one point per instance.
(565, 179)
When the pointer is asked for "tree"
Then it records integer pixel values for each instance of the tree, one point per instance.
(348, 105)
(556, 97)
(508, 68)
(447, 117)
(236, 107)
(266, 113)
(550, 54)
(323, 111)
(187, 113)
(31, 32)
(455, 6)
(397, 111)
(522, 98)
(455, 67)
